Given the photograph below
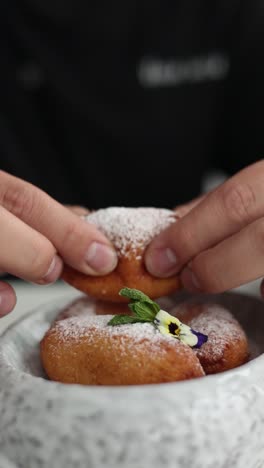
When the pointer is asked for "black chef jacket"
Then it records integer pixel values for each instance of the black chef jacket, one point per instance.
(129, 102)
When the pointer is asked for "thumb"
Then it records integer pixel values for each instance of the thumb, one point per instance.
(161, 257)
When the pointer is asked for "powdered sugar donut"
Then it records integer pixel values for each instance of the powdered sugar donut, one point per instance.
(81, 347)
(84, 349)
(130, 230)
(227, 345)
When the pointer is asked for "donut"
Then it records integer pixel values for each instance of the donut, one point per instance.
(227, 346)
(85, 350)
(130, 230)
(81, 347)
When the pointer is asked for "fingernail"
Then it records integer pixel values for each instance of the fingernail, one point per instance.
(190, 280)
(81, 211)
(7, 301)
(101, 258)
(162, 262)
(53, 272)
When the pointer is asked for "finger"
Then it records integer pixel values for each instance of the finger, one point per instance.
(81, 245)
(78, 210)
(25, 252)
(7, 298)
(182, 210)
(223, 212)
(233, 262)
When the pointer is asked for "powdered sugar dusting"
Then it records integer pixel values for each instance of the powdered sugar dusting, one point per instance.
(74, 328)
(131, 229)
(220, 327)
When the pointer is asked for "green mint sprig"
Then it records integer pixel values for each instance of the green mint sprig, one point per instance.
(146, 310)
(143, 308)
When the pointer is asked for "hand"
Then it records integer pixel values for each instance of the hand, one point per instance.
(38, 234)
(219, 243)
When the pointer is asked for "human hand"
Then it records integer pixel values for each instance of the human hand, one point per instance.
(218, 244)
(38, 234)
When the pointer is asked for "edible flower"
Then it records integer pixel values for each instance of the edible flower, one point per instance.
(146, 310)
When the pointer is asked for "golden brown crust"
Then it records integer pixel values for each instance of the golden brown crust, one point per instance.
(227, 345)
(130, 272)
(100, 358)
(80, 348)
(130, 230)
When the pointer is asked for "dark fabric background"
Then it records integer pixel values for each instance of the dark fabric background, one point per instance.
(75, 120)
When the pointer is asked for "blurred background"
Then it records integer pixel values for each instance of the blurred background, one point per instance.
(129, 103)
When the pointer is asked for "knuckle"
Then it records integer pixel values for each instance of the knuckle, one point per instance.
(19, 200)
(238, 202)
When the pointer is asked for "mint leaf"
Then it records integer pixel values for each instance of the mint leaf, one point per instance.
(155, 307)
(143, 310)
(137, 296)
(134, 295)
(141, 305)
(123, 319)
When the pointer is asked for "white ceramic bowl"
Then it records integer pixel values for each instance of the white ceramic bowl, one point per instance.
(212, 422)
